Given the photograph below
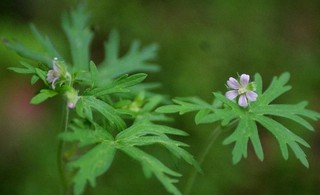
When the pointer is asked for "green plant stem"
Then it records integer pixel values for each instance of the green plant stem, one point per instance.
(212, 138)
(63, 179)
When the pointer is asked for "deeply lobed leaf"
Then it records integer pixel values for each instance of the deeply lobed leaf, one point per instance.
(114, 66)
(98, 159)
(259, 111)
(79, 36)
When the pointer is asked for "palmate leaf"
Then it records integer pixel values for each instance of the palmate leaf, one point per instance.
(246, 129)
(98, 159)
(119, 85)
(45, 56)
(89, 102)
(46, 44)
(293, 112)
(79, 36)
(147, 134)
(185, 105)
(28, 53)
(152, 165)
(258, 112)
(148, 113)
(284, 137)
(135, 60)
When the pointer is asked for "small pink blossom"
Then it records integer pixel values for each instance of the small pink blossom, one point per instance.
(54, 74)
(243, 88)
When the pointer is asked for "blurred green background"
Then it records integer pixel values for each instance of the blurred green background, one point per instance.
(202, 43)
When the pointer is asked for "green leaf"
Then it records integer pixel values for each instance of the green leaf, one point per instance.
(245, 130)
(106, 110)
(44, 57)
(285, 137)
(96, 161)
(46, 44)
(260, 111)
(41, 74)
(258, 82)
(146, 134)
(28, 69)
(234, 106)
(28, 53)
(79, 36)
(94, 73)
(152, 103)
(91, 165)
(152, 165)
(142, 129)
(276, 88)
(20, 70)
(224, 115)
(43, 95)
(135, 60)
(289, 111)
(119, 85)
(85, 136)
(185, 105)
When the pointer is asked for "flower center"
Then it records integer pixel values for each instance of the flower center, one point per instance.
(242, 91)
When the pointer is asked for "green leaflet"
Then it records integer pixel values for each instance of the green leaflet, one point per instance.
(105, 109)
(185, 105)
(246, 129)
(46, 43)
(44, 57)
(79, 36)
(27, 69)
(284, 137)
(43, 95)
(247, 118)
(94, 163)
(293, 112)
(119, 85)
(276, 88)
(94, 73)
(152, 165)
(135, 60)
(98, 159)
(146, 134)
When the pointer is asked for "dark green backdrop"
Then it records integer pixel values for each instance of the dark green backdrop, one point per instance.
(202, 43)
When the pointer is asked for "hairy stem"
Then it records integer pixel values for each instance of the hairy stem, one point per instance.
(63, 179)
(211, 139)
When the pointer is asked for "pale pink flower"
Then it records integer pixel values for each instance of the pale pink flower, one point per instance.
(54, 74)
(242, 88)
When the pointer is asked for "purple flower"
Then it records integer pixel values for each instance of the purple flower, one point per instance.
(243, 88)
(54, 74)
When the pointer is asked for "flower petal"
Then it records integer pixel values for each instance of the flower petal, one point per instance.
(233, 83)
(252, 96)
(71, 105)
(244, 80)
(243, 101)
(50, 76)
(232, 94)
(55, 67)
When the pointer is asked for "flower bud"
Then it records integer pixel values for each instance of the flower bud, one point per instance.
(72, 97)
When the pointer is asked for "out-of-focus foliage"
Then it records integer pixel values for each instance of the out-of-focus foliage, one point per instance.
(87, 90)
(201, 44)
